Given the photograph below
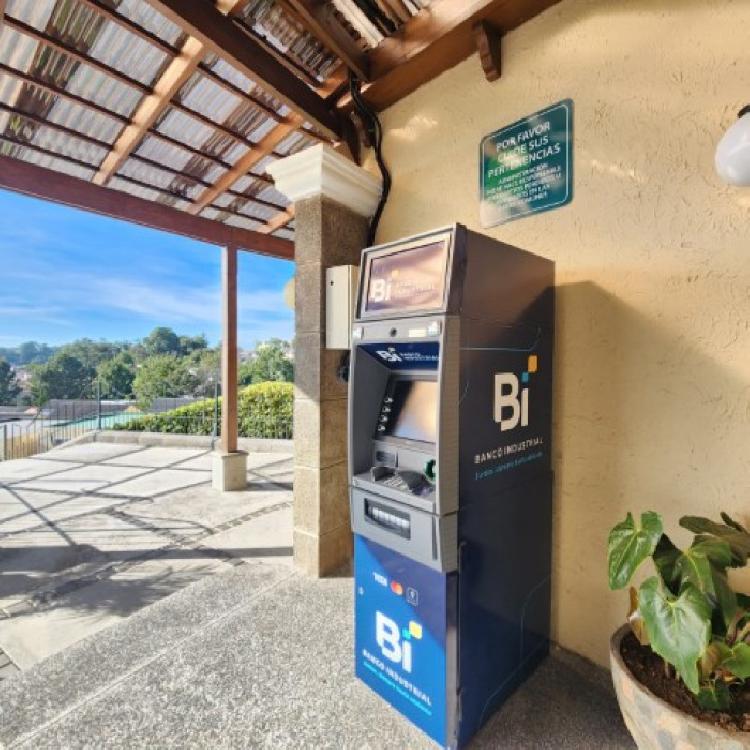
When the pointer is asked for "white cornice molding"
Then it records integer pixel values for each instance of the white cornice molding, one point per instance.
(319, 170)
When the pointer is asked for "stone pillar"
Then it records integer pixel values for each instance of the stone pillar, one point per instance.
(333, 200)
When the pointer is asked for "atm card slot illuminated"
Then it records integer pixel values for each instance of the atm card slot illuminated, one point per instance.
(388, 518)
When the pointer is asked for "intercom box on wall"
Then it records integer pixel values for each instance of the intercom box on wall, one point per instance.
(341, 296)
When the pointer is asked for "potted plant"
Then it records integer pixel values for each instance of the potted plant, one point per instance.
(681, 665)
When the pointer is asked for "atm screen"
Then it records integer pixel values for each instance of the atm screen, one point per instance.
(414, 410)
(412, 279)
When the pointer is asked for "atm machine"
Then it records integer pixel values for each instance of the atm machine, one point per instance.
(450, 481)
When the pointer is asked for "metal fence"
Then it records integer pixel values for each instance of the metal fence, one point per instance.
(60, 420)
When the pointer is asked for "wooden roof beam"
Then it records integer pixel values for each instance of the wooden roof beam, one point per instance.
(280, 220)
(219, 34)
(245, 163)
(437, 38)
(38, 182)
(174, 77)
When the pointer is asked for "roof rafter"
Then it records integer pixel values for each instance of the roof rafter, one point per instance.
(245, 163)
(30, 179)
(319, 19)
(437, 38)
(219, 34)
(174, 77)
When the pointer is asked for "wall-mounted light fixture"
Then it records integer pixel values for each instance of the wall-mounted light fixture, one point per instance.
(732, 158)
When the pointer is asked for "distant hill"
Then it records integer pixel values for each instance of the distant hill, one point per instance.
(27, 353)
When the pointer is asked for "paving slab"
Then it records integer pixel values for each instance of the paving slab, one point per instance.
(156, 457)
(22, 509)
(275, 671)
(90, 452)
(27, 468)
(29, 638)
(156, 482)
(267, 538)
(34, 698)
(201, 508)
(85, 478)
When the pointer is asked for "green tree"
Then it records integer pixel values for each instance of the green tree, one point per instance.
(9, 388)
(161, 340)
(190, 344)
(64, 376)
(90, 353)
(163, 375)
(272, 360)
(116, 376)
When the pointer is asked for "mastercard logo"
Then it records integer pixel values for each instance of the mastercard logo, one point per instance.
(397, 588)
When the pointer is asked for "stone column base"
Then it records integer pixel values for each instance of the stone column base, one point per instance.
(229, 471)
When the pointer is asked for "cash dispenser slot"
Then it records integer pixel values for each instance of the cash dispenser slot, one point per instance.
(388, 518)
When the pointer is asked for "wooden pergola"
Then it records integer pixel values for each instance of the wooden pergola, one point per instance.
(166, 113)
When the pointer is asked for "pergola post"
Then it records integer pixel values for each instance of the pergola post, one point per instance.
(229, 464)
(333, 200)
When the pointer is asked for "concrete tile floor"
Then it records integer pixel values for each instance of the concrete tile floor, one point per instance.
(91, 533)
(261, 657)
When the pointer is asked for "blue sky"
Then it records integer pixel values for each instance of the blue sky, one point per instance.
(66, 274)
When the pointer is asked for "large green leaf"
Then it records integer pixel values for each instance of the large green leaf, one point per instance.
(725, 596)
(678, 627)
(628, 546)
(738, 662)
(666, 556)
(729, 521)
(738, 540)
(696, 564)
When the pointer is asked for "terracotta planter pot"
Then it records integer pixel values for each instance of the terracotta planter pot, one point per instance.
(654, 723)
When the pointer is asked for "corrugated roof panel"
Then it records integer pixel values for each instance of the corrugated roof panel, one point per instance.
(208, 98)
(246, 119)
(237, 221)
(268, 19)
(235, 152)
(293, 143)
(128, 53)
(146, 193)
(283, 233)
(103, 90)
(222, 68)
(67, 145)
(224, 199)
(262, 165)
(184, 128)
(254, 210)
(35, 13)
(210, 213)
(262, 130)
(151, 20)
(179, 159)
(51, 162)
(158, 178)
(271, 194)
(9, 88)
(243, 183)
(76, 117)
(16, 50)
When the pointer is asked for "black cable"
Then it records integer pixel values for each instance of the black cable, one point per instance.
(374, 132)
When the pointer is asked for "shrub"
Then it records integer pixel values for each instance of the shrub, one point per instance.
(264, 410)
(688, 612)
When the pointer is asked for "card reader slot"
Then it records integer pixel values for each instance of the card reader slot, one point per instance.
(388, 518)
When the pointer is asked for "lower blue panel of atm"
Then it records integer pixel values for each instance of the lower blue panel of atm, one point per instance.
(402, 634)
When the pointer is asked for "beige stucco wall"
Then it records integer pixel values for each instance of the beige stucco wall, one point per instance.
(653, 262)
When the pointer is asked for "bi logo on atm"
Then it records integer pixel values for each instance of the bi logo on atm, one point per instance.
(396, 644)
(511, 400)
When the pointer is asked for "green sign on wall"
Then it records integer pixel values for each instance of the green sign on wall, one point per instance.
(527, 167)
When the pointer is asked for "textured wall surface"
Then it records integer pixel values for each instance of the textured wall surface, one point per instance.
(653, 262)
